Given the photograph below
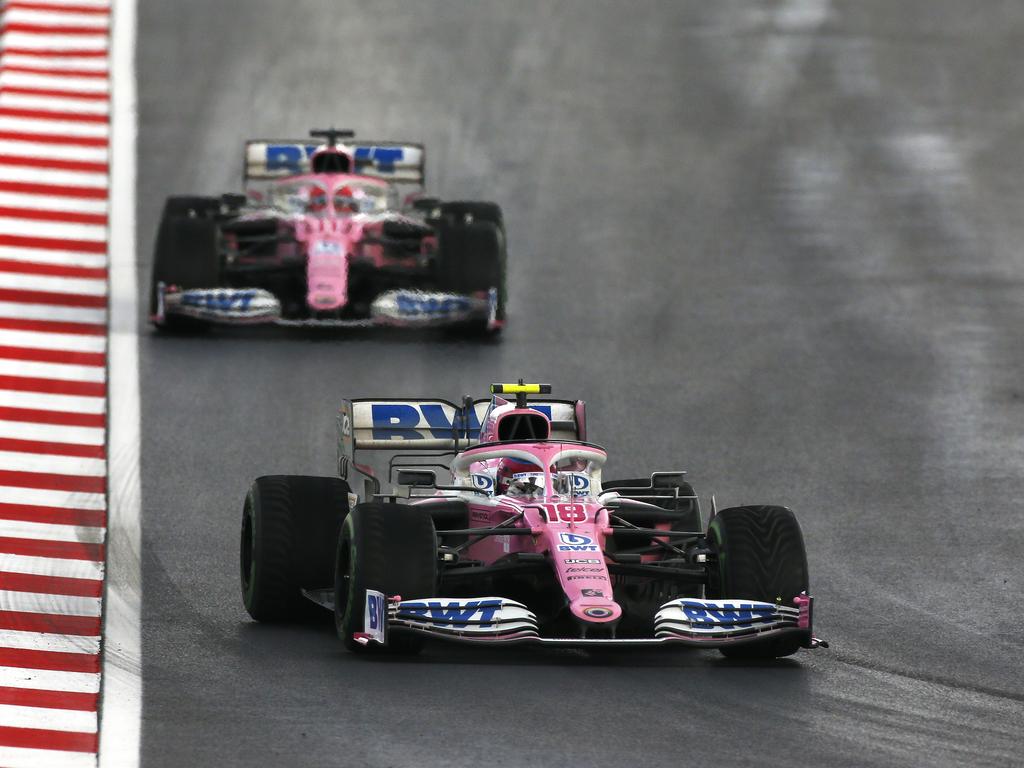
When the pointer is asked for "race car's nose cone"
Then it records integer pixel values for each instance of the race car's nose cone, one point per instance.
(327, 274)
(579, 562)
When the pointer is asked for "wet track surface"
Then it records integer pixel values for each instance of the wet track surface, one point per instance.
(776, 244)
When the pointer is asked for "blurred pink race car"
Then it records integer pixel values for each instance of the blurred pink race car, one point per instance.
(524, 542)
(330, 234)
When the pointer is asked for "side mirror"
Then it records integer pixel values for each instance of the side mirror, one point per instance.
(419, 478)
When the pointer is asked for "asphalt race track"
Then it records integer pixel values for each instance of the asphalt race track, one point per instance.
(776, 244)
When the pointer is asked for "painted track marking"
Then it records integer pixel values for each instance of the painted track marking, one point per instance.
(55, 171)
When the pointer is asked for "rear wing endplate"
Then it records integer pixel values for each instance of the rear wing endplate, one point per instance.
(394, 161)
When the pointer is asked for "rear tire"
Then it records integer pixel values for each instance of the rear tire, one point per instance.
(464, 211)
(187, 255)
(390, 548)
(761, 556)
(289, 526)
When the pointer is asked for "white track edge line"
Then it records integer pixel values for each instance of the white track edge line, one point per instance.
(121, 695)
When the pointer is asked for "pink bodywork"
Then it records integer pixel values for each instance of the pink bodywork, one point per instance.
(330, 244)
(571, 531)
(332, 239)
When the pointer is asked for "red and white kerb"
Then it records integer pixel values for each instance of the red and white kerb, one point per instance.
(54, 132)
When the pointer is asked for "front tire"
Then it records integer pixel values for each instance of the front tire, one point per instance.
(473, 211)
(289, 526)
(187, 255)
(471, 259)
(761, 556)
(389, 548)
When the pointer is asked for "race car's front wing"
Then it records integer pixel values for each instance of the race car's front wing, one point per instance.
(256, 306)
(686, 621)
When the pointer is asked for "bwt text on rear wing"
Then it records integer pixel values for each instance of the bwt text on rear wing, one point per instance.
(397, 162)
(432, 425)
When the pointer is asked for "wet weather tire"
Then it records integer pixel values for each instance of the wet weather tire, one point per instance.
(471, 211)
(761, 556)
(389, 548)
(187, 255)
(289, 526)
(471, 260)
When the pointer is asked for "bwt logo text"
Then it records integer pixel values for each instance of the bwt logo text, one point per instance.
(727, 613)
(479, 612)
(292, 157)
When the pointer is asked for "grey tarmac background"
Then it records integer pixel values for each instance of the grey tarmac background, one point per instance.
(775, 243)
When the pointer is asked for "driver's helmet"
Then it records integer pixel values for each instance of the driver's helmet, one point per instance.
(515, 477)
(316, 201)
(346, 200)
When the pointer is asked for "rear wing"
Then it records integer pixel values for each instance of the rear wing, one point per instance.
(433, 425)
(397, 162)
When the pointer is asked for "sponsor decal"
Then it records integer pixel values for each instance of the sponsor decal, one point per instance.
(483, 482)
(223, 303)
(574, 538)
(584, 570)
(576, 482)
(292, 158)
(727, 613)
(415, 304)
(327, 248)
(580, 483)
(421, 421)
(346, 424)
(592, 593)
(597, 612)
(527, 475)
(575, 542)
(221, 300)
(480, 515)
(422, 308)
(451, 613)
(383, 158)
(288, 157)
(373, 617)
(587, 577)
(576, 561)
(401, 421)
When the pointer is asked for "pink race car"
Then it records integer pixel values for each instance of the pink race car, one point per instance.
(523, 542)
(330, 234)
